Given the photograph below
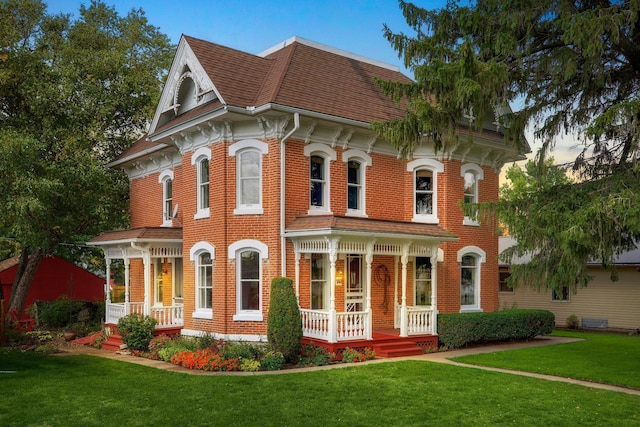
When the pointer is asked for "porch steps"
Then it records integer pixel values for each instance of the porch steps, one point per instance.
(113, 343)
(397, 348)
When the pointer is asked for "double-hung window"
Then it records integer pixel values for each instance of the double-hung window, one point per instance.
(248, 255)
(425, 189)
(203, 254)
(423, 290)
(200, 159)
(356, 161)
(470, 258)
(471, 174)
(319, 156)
(248, 155)
(166, 180)
(319, 282)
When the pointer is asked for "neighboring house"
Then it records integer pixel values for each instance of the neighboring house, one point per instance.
(56, 277)
(259, 166)
(602, 304)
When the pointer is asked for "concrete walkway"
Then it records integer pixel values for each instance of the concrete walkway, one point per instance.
(440, 357)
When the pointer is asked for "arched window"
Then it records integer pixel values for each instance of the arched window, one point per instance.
(249, 255)
(319, 177)
(356, 181)
(166, 180)
(471, 173)
(203, 254)
(200, 159)
(425, 189)
(470, 258)
(248, 175)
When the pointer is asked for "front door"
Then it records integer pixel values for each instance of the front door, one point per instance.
(355, 290)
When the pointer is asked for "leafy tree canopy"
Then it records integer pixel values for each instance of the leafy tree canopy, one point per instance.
(574, 66)
(73, 94)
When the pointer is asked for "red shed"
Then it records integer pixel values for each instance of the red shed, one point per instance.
(55, 277)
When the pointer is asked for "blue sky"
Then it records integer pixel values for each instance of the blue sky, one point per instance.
(254, 26)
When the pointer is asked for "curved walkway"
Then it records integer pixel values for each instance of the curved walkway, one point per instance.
(440, 357)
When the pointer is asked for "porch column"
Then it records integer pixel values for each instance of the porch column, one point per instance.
(333, 321)
(403, 309)
(369, 261)
(146, 260)
(107, 286)
(434, 288)
(297, 278)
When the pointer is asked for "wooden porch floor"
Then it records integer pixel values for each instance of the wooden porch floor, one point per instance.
(386, 343)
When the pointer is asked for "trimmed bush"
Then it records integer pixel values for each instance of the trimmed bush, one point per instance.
(464, 329)
(284, 330)
(272, 361)
(136, 331)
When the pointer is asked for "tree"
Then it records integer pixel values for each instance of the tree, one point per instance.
(284, 323)
(73, 94)
(575, 68)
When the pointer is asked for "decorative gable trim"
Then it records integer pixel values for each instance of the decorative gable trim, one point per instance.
(185, 68)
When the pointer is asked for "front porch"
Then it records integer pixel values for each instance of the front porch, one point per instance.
(167, 317)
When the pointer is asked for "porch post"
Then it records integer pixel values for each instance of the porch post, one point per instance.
(434, 287)
(403, 309)
(297, 264)
(333, 323)
(146, 260)
(107, 287)
(369, 261)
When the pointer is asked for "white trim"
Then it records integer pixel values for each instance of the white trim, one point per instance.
(163, 177)
(472, 167)
(248, 244)
(478, 173)
(435, 167)
(261, 146)
(474, 250)
(327, 153)
(167, 173)
(201, 246)
(357, 154)
(364, 160)
(203, 314)
(320, 149)
(200, 152)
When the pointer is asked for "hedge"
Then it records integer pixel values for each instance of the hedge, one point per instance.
(464, 329)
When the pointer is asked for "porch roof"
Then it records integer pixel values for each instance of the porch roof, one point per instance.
(139, 235)
(321, 225)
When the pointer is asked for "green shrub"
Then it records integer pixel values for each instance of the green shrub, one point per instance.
(350, 355)
(249, 365)
(136, 331)
(284, 330)
(241, 350)
(64, 312)
(573, 322)
(315, 356)
(463, 329)
(272, 361)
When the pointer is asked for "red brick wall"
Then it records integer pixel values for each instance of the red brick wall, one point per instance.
(389, 195)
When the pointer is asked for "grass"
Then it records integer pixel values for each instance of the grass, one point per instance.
(48, 390)
(600, 357)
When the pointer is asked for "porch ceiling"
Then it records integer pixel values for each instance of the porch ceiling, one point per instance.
(324, 225)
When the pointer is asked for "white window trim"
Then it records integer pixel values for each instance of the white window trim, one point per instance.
(321, 150)
(435, 167)
(326, 292)
(194, 253)
(234, 249)
(481, 257)
(479, 174)
(415, 278)
(198, 155)
(365, 160)
(235, 150)
(165, 175)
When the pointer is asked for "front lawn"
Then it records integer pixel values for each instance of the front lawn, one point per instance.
(50, 390)
(601, 357)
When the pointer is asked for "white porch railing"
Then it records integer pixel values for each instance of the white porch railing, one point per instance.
(167, 316)
(350, 326)
(420, 320)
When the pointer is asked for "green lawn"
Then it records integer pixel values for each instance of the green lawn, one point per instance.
(87, 391)
(601, 357)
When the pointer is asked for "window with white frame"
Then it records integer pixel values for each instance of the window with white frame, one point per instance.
(319, 179)
(159, 279)
(203, 254)
(423, 290)
(166, 180)
(248, 255)
(357, 161)
(248, 155)
(560, 295)
(200, 159)
(425, 189)
(470, 258)
(472, 174)
(319, 282)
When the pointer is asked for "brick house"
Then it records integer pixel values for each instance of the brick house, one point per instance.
(259, 166)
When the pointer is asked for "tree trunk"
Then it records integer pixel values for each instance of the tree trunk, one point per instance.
(27, 268)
